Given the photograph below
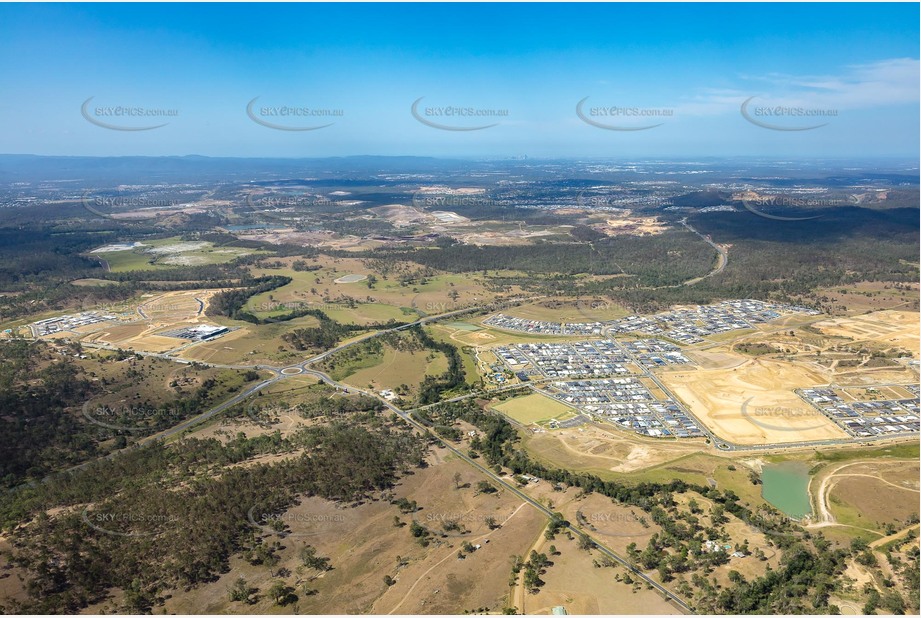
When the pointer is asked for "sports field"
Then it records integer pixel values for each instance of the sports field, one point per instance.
(534, 408)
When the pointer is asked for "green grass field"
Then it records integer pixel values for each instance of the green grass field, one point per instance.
(571, 310)
(908, 450)
(371, 312)
(471, 374)
(464, 326)
(534, 408)
(406, 302)
(151, 256)
(394, 368)
(367, 360)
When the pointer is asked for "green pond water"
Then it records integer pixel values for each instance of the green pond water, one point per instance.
(786, 486)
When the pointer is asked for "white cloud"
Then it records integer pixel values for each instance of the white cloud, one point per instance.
(863, 86)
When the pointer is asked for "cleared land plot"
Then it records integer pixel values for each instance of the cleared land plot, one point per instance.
(176, 306)
(494, 336)
(594, 449)
(250, 344)
(154, 315)
(873, 501)
(874, 494)
(897, 328)
(773, 412)
(169, 252)
(573, 310)
(319, 289)
(395, 368)
(871, 296)
(534, 408)
(127, 338)
(630, 458)
(369, 313)
(91, 282)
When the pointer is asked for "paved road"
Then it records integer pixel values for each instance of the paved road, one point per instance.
(721, 260)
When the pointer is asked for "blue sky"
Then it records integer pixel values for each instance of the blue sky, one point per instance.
(856, 65)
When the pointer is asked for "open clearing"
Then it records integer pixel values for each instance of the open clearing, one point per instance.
(572, 310)
(167, 252)
(592, 448)
(396, 368)
(896, 328)
(370, 313)
(754, 403)
(250, 344)
(156, 313)
(872, 296)
(867, 494)
(616, 455)
(394, 295)
(534, 408)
